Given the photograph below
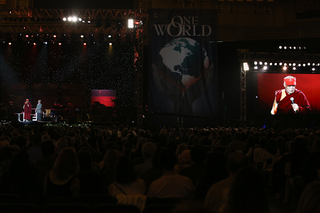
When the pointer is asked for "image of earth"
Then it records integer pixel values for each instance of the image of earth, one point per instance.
(186, 58)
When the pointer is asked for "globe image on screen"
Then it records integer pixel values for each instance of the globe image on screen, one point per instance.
(185, 62)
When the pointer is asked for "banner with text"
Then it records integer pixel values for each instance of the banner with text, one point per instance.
(183, 62)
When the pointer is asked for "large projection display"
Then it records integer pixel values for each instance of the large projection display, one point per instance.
(285, 93)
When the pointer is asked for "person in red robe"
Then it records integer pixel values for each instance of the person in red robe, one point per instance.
(290, 100)
(27, 110)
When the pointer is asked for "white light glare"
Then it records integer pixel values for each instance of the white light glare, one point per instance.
(245, 66)
(280, 47)
(313, 69)
(265, 67)
(294, 68)
(255, 63)
(265, 63)
(280, 63)
(284, 68)
(110, 44)
(255, 67)
(82, 36)
(260, 63)
(64, 19)
(130, 23)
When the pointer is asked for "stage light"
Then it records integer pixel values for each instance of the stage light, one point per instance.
(299, 65)
(9, 43)
(285, 64)
(308, 64)
(255, 63)
(27, 36)
(313, 64)
(110, 44)
(34, 44)
(260, 63)
(45, 42)
(59, 44)
(285, 47)
(79, 19)
(89, 22)
(255, 67)
(275, 64)
(290, 47)
(299, 48)
(265, 63)
(64, 19)
(245, 66)
(54, 36)
(303, 65)
(270, 64)
(280, 47)
(284, 68)
(265, 67)
(294, 47)
(84, 44)
(318, 64)
(294, 64)
(294, 68)
(313, 69)
(280, 64)
(130, 23)
(82, 36)
(109, 36)
(290, 64)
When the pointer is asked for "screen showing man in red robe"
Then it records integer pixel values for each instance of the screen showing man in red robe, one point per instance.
(27, 110)
(290, 100)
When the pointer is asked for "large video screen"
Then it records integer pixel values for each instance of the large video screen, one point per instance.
(263, 86)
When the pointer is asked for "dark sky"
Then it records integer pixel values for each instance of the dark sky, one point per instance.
(84, 4)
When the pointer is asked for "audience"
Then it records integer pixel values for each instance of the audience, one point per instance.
(63, 161)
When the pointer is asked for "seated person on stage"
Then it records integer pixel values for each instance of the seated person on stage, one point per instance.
(290, 100)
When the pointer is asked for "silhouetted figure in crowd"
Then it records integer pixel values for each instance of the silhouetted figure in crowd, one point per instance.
(248, 193)
(170, 184)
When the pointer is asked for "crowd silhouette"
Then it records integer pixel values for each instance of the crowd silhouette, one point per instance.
(218, 170)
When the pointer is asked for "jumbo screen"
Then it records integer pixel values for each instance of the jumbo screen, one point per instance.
(262, 87)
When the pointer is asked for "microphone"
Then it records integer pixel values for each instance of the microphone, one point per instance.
(292, 102)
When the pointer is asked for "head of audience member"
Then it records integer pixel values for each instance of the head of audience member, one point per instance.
(37, 140)
(6, 155)
(66, 164)
(236, 161)
(61, 144)
(85, 160)
(299, 145)
(248, 192)
(309, 200)
(185, 158)
(148, 150)
(180, 149)
(198, 154)
(124, 172)
(110, 158)
(167, 159)
(21, 142)
(216, 167)
(48, 148)
(315, 148)
(271, 146)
